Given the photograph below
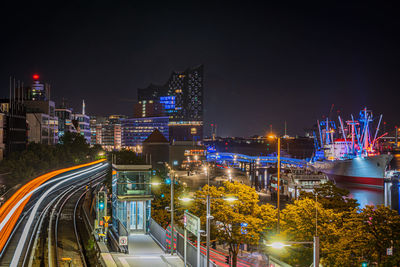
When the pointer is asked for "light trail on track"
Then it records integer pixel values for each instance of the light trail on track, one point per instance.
(12, 209)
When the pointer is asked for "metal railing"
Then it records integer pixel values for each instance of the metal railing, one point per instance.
(159, 235)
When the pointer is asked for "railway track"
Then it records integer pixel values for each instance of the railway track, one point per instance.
(46, 222)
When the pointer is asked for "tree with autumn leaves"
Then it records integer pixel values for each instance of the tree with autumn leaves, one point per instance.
(229, 215)
(348, 235)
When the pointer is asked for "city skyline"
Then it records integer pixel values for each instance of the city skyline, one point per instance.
(258, 59)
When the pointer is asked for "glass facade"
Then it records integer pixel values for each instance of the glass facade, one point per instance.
(136, 130)
(131, 194)
(182, 98)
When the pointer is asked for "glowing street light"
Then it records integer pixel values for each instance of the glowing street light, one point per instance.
(281, 245)
(209, 217)
(278, 245)
(230, 199)
(186, 199)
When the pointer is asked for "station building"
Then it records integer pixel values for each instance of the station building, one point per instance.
(131, 198)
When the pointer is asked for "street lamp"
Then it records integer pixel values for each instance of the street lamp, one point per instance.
(279, 178)
(209, 217)
(230, 175)
(280, 245)
(171, 209)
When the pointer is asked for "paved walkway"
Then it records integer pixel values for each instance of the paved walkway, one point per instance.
(143, 251)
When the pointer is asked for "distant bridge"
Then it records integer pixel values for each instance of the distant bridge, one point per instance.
(262, 160)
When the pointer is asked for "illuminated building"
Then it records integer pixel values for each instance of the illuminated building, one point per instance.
(182, 99)
(186, 153)
(136, 130)
(108, 132)
(40, 114)
(82, 123)
(42, 128)
(65, 124)
(38, 90)
(148, 108)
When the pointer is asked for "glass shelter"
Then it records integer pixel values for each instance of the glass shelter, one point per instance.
(131, 198)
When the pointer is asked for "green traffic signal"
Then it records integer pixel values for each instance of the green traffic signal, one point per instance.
(364, 264)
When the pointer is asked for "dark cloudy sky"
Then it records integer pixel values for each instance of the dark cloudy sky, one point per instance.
(264, 63)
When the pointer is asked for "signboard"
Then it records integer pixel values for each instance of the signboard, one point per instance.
(389, 251)
(123, 240)
(243, 229)
(106, 218)
(191, 222)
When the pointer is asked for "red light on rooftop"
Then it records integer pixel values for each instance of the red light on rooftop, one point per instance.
(36, 77)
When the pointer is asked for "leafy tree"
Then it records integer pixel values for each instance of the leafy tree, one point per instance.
(381, 230)
(332, 197)
(39, 158)
(162, 199)
(228, 216)
(298, 224)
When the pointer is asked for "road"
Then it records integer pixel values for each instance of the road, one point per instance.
(24, 216)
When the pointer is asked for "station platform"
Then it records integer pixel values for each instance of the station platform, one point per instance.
(144, 251)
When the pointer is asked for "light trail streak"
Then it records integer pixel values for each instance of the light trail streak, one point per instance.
(12, 209)
(28, 225)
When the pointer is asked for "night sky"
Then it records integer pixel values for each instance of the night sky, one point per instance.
(264, 64)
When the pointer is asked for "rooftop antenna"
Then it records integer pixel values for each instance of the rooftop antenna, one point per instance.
(83, 107)
(285, 128)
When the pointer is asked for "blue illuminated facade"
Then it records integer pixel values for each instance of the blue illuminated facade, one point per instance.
(135, 130)
(168, 103)
(182, 99)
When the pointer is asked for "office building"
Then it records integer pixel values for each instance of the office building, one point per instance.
(13, 126)
(40, 113)
(136, 130)
(148, 108)
(82, 123)
(182, 99)
(42, 128)
(108, 131)
(65, 124)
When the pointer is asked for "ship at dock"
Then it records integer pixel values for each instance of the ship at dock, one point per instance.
(349, 154)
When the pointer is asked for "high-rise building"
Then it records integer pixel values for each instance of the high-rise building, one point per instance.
(108, 131)
(40, 113)
(182, 99)
(82, 123)
(65, 124)
(13, 131)
(38, 90)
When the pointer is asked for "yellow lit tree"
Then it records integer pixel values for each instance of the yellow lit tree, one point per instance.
(229, 216)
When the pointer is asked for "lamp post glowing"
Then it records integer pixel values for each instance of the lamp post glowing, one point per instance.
(281, 245)
(278, 178)
(209, 217)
